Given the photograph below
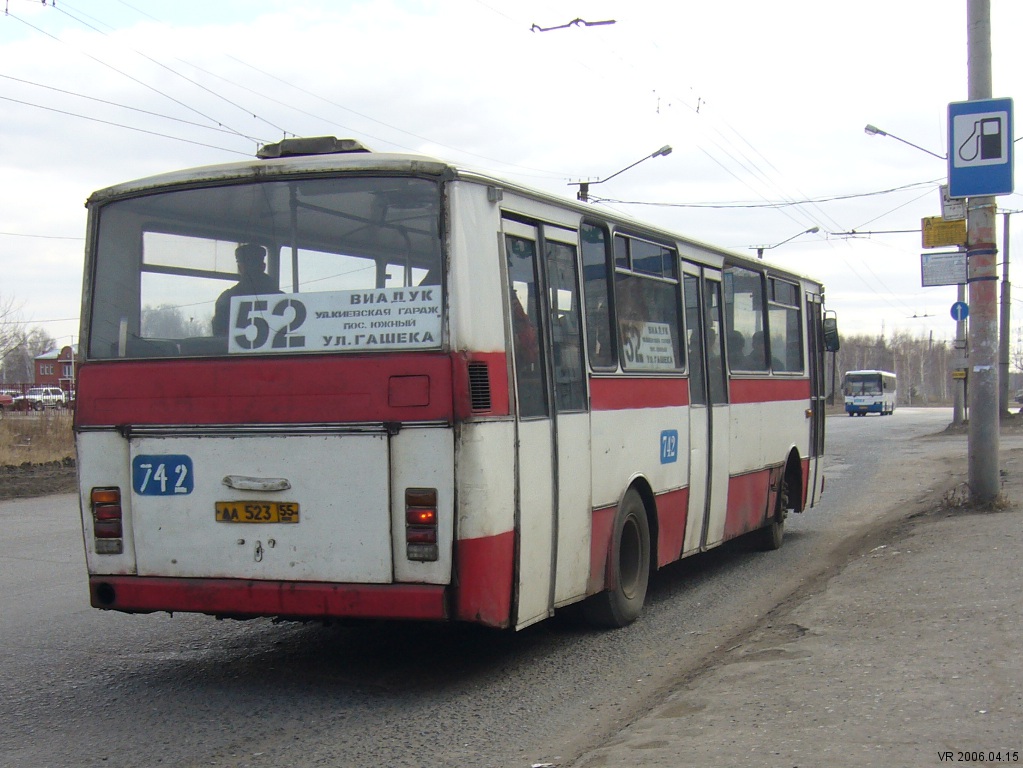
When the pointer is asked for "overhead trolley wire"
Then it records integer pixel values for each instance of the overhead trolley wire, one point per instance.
(173, 71)
(122, 125)
(204, 126)
(133, 79)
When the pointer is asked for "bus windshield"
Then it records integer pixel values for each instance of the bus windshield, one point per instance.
(301, 265)
(864, 384)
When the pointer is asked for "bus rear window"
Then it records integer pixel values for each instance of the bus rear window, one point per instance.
(310, 265)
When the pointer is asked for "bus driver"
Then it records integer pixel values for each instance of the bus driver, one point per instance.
(252, 281)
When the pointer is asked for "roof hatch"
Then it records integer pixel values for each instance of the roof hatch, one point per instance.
(313, 145)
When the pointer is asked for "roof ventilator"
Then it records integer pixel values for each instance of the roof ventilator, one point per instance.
(313, 145)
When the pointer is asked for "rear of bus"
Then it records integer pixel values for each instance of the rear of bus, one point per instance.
(279, 450)
(869, 391)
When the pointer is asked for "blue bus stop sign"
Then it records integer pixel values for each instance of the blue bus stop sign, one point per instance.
(980, 143)
(960, 311)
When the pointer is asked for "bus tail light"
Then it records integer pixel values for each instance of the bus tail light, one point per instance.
(107, 525)
(421, 524)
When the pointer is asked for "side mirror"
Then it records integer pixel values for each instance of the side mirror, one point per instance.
(831, 340)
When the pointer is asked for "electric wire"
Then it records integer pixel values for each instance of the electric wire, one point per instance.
(130, 77)
(203, 126)
(122, 125)
(173, 71)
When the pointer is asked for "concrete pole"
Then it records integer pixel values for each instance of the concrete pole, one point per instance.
(982, 257)
(1003, 324)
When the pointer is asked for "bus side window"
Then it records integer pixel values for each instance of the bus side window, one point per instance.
(525, 316)
(596, 272)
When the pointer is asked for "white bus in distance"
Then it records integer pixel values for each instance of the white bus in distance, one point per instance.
(869, 391)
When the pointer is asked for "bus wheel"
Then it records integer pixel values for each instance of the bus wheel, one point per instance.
(770, 537)
(630, 561)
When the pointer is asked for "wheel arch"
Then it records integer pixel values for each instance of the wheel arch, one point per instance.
(646, 494)
(793, 477)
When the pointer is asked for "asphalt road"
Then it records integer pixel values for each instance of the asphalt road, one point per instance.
(89, 688)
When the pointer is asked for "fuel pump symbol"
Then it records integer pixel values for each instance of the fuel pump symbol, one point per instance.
(984, 142)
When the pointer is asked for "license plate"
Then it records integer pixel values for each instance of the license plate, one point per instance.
(256, 511)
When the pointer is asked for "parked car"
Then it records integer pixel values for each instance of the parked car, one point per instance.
(6, 403)
(38, 398)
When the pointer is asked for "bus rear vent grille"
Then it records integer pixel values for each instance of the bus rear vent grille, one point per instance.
(479, 387)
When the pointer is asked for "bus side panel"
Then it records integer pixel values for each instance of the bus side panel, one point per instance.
(103, 462)
(672, 509)
(760, 445)
(574, 508)
(485, 567)
(475, 319)
(640, 429)
(484, 522)
(600, 546)
(630, 417)
(423, 458)
(748, 502)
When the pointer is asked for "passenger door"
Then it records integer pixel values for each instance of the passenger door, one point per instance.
(708, 409)
(815, 345)
(552, 462)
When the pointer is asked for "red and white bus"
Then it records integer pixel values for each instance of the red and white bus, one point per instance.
(331, 383)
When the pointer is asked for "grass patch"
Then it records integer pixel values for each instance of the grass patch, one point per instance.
(36, 437)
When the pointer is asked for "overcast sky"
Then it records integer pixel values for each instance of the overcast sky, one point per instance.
(763, 103)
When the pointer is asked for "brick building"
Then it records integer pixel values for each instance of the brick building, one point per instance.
(57, 368)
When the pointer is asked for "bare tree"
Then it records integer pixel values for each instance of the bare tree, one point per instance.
(19, 346)
(921, 364)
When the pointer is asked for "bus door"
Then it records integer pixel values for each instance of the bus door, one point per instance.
(552, 461)
(708, 409)
(815, 343)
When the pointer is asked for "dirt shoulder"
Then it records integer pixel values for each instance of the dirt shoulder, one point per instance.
(30, 480)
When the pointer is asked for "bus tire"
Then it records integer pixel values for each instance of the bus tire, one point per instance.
(630, 564)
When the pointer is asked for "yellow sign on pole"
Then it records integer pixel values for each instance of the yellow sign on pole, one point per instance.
(938, 233)
(959, 373)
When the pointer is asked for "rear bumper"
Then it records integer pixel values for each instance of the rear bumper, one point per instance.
(248, 599)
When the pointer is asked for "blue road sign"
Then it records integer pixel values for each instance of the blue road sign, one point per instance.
(980, 142)
(960, 311)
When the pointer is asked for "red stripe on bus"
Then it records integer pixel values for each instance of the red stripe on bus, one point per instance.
(600, 545)
(768, 390)
(290, 599)
(748, 501)
(486, 569)
(672, 508)
(282, 390)
(633, 392)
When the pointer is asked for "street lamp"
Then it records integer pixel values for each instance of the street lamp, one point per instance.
(762, 248)
(873, 130)
(584, 186)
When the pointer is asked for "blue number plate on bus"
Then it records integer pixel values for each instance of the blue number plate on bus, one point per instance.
(169, 475)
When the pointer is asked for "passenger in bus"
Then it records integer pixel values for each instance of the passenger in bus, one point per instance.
(757, 359)
(252, 281)
(736, 350)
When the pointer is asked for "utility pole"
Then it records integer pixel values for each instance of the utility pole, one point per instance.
(982, 258)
